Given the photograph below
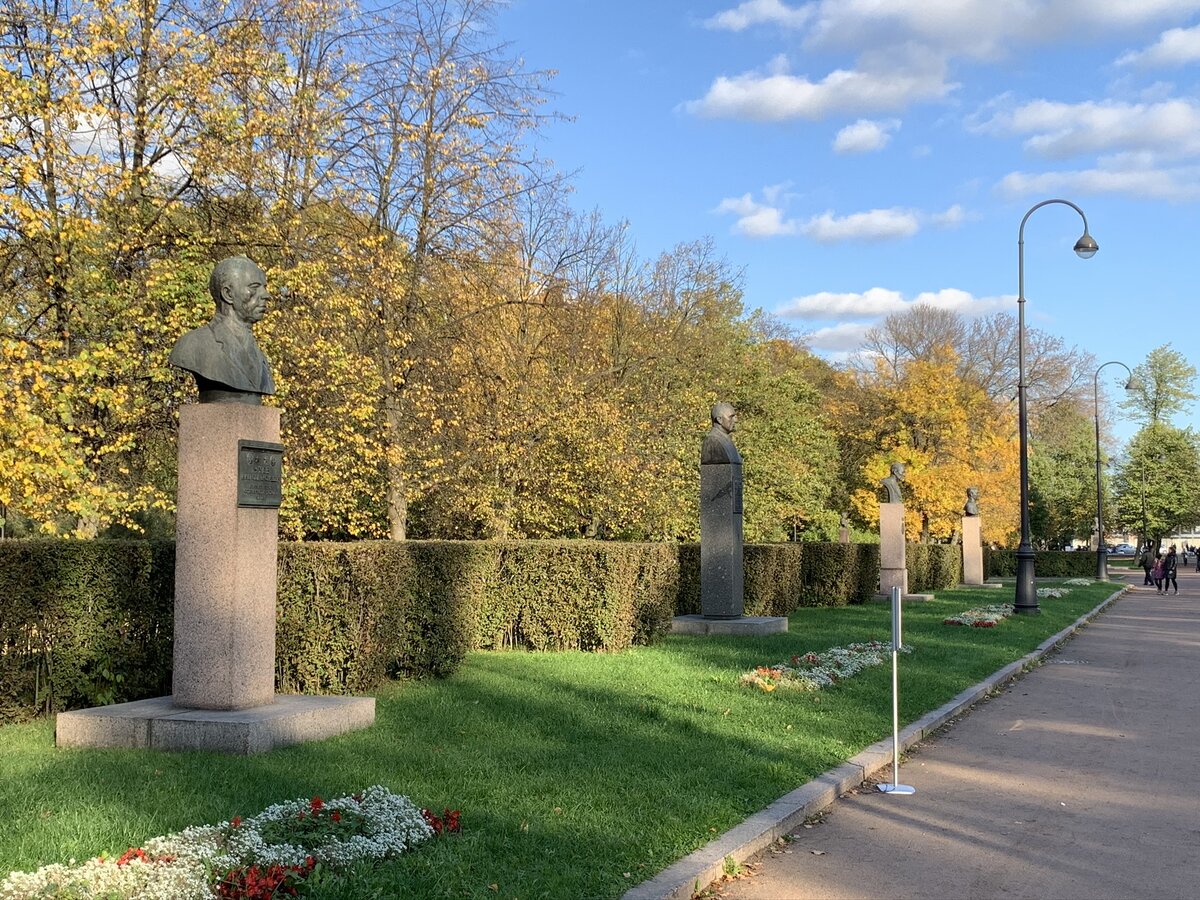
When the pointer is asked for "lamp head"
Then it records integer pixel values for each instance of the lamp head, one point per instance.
(1133, 384)
(1086, 246)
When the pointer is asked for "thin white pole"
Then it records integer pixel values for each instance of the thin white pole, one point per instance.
(897, 636)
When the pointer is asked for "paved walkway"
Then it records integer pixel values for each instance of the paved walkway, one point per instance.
(1080, 780)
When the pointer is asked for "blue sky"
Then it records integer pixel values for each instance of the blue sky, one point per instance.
(852, 157)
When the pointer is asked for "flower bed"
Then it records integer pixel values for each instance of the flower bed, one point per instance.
(813, 671)
(264, 856)
(1053, 591)
(981, 616)
(1078, 582)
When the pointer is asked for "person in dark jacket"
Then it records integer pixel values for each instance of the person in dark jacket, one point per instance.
(1146, 563)
(1170, 564)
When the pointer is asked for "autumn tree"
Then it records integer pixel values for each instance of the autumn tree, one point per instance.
(946, 430)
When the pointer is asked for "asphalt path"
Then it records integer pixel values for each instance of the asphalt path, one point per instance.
(1080, 779)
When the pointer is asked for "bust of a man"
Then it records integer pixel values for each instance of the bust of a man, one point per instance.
(718, 448)
(971, 508)
(892, 483)
(223, 355)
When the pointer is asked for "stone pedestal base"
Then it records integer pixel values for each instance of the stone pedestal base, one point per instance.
(893, 566)
(225, 564)
(972, 550)
(159, 724)
(745, 625)
(721, 570)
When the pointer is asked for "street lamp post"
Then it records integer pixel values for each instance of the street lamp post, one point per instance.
(1101, 550)
(1085, 247)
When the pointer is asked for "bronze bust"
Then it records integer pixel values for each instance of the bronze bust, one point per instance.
(971, 508)
(892, 483)
(223, 355)
(718, 447)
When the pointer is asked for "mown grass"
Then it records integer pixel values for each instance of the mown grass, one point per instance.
(577, 774)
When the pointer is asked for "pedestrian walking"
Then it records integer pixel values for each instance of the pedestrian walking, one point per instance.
(1146, 562)
(1169, 566)
(1157, 572)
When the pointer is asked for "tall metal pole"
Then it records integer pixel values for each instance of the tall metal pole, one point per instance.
(1101, 550)
(1026, 601)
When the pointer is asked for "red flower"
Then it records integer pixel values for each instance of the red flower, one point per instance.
(131, 854)
(235, 821)
(336, 816)
(317, 805)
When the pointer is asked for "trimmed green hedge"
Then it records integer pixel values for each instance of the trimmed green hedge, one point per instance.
(83, 623)
(86, 623)
(933, 567)
(1046, 563)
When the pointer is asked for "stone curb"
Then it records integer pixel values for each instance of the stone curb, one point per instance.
(696, 871)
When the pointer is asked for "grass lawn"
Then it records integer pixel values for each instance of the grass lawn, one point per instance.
(577, 774)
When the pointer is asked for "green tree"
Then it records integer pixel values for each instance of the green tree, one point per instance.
(1062, 478)
(1163, 386)
(1161, 465)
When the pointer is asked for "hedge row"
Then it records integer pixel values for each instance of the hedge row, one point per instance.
(90, 623)
(1046, 564)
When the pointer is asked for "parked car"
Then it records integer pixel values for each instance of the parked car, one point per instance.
(1124, 549)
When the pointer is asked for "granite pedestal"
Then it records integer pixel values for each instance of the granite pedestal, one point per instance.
(223, 679)
(972, 550)
(721, 571)
(159, 724)
(743, 625)
(893, 565)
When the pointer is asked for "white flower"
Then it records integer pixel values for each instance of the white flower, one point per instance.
(178, 865)
(812, 671)
(1053, 591)
(981, 616)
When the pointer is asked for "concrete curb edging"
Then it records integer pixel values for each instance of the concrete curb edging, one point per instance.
(696, 871)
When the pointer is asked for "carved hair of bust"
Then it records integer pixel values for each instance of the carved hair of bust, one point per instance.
(723, 414)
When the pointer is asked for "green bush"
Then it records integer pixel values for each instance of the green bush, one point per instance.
(83, 623)
(90, 623)
(933, 567)
(1046, 564)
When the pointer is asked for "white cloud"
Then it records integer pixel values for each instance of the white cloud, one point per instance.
(865, 136)
(759, 12)
(827, 305)
(767, 218)
(843, 338)
(756, 220)
(1176, 47)
(776, 95)
(951, 217)
(874, 225)
(878, 302)
(979, 29)
(1060, 130)
(904, 48)
(1176, 185)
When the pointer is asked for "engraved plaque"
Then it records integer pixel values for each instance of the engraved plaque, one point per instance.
(737, 490)
(260, 474)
